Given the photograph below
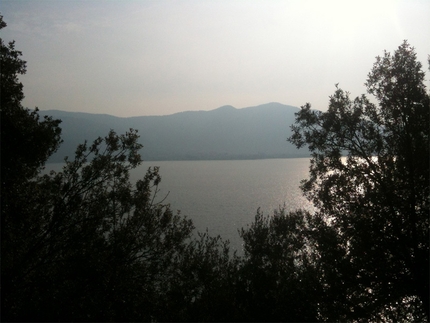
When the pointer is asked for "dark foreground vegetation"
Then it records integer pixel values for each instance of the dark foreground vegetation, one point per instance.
(84, 244)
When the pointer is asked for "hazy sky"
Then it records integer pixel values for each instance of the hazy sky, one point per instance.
(130, 58)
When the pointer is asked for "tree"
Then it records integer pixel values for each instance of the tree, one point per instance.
(87, 244)
(95, 247)
(100, 248)
(376, 198)
(204, 287)
(26, 141)
(278, 278)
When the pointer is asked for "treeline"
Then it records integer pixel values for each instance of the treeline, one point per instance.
(84, 244)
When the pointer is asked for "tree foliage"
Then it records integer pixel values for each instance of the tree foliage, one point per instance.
(95, 247)
(278, 274)
(99, 246)
(28, 140)
(87, 244)
(376, 198)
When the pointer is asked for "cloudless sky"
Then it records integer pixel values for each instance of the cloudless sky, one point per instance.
(133, 58)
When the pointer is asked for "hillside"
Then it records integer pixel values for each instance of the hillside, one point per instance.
(223, 133)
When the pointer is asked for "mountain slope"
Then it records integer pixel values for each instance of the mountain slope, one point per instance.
(223, 133)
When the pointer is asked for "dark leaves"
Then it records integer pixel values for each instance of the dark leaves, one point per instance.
(369, 178)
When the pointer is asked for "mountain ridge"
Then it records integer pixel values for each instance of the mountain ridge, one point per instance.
(223, 133)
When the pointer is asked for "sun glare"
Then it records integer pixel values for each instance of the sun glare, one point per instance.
(349, 21)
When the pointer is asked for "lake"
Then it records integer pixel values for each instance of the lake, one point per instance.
(224, 195)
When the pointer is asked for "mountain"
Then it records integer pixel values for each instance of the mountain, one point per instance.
(223, 133)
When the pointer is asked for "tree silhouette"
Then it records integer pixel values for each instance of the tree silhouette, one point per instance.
(278, 276)
(376, 199)
(87, 244)
(26, 143)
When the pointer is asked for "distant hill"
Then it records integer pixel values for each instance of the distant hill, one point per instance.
(223, 133)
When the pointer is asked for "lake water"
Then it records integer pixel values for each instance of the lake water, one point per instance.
(224, 195)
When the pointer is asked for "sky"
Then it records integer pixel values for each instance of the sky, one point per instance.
(135, 58)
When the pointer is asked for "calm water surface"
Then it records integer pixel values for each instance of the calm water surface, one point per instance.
(224, 195)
